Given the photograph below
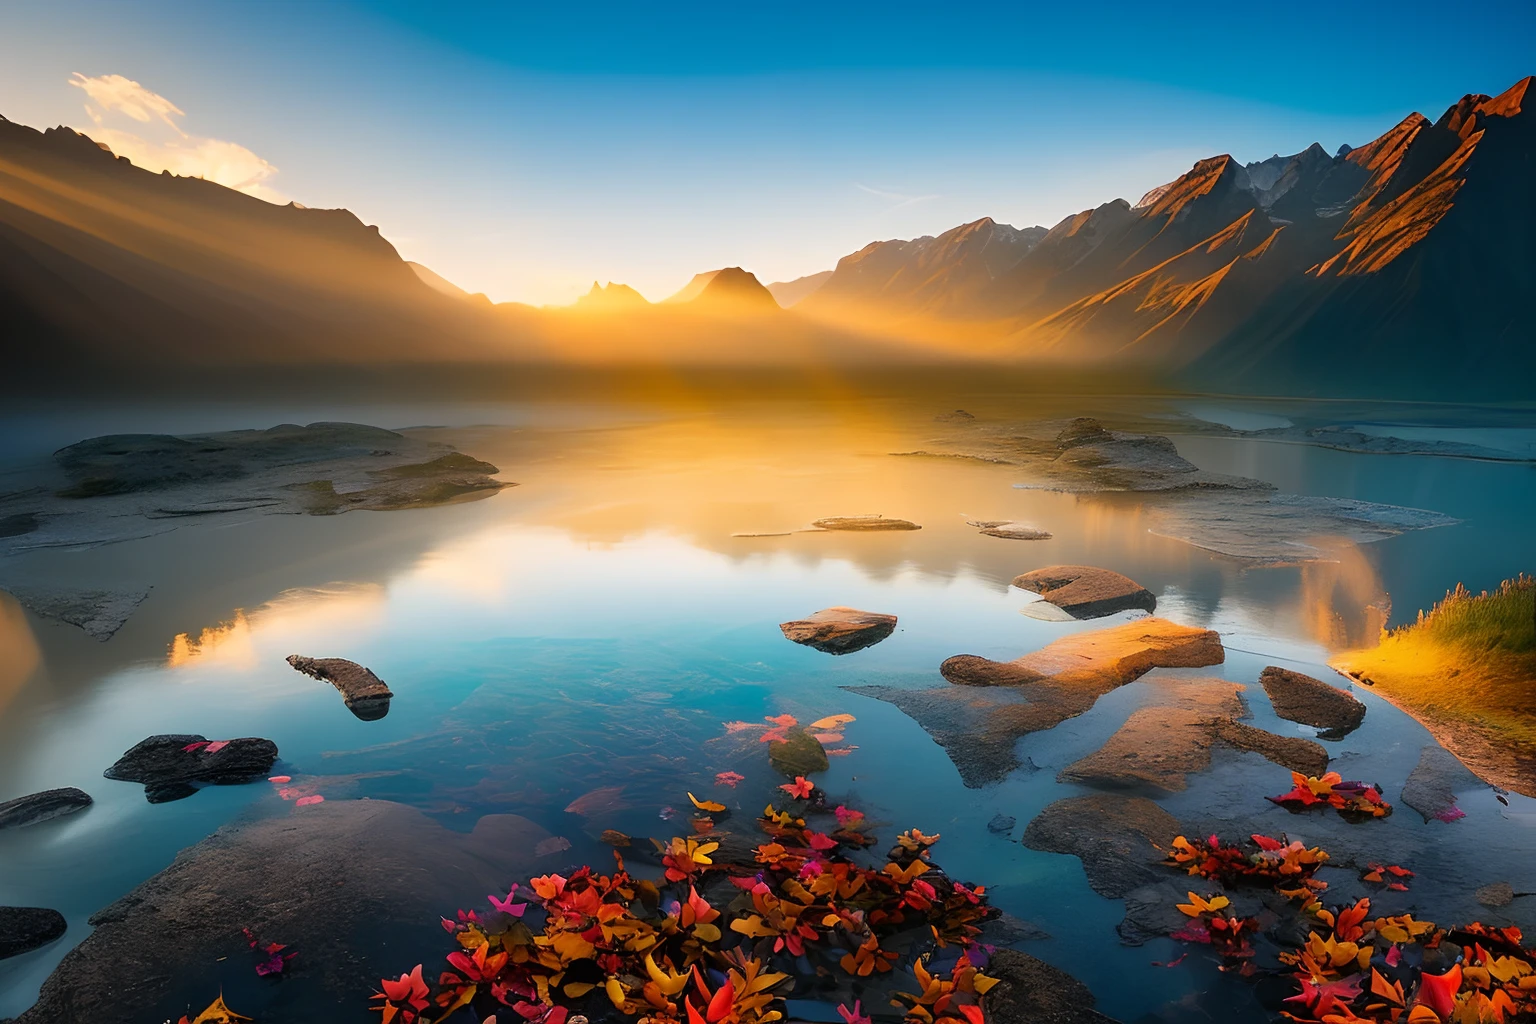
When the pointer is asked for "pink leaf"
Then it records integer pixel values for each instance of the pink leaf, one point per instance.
(215, 746)
(305, 801)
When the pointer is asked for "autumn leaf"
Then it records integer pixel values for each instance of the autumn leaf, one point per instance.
(706, 805)
(801, 788)
(831, 722)
(218, 1013)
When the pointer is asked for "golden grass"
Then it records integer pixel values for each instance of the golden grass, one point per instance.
(1471, 658)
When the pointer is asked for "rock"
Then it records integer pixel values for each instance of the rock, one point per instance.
(365, 694)
(1300, 698)
(356, 886)
(169, 770)
(1009, 530)
(799, 753)
(100, 611)
(23, 929)
(863, 523)
(1429, 787)
(1031, 991)
(50, 803)
(1119, 839)
(957, 416)
(1173, 736)
(1496, 894)
(1293, 752)
(978, 721)
(1001, 824)
(1081, 431)
(840, 630)
(1086, 592)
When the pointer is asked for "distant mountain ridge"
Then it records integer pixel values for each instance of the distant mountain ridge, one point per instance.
(1405, 266)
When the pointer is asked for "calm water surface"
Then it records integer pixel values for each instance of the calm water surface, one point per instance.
(596, 625)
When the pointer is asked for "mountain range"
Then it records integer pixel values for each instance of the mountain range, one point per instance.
(1403, 267)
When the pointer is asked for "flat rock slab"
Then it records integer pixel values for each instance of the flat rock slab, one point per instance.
(839, 630)
(100, 611)
(1300, 698)
(1086, 592)
(978, 721)
(36, 807)
(23, 929)
(355, 887)
(1120, 839)
(1031, 991)
(171, 767)
(365, 694)
(863, 524)
(1295, 753)
(1007, 529)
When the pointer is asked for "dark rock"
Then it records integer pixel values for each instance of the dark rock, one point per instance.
(1086, 592)
(51, 803)
(957, 416)
(169, 770)
(799, 753)
(1001, 824)
(365, 694)
(1031, 991)
(1300, 698)
(356, 886)
(1081, 431)
(1294, 752)
(1119, 839)
(840, 630)
(863, 524)
(23, 929)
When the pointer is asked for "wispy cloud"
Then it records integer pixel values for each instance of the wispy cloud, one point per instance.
(168, 147)
(897, 199)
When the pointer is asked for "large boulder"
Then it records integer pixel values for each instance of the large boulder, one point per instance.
(36, 807)
(1031, 991)
(27, 928)
(1086, 592)
(171, 767)
(364, 693)
(839, 630)
(1300, 698)
(355, 887)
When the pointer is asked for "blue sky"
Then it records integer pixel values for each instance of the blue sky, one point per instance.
(525, 150)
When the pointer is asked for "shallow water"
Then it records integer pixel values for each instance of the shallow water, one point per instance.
(596, 626)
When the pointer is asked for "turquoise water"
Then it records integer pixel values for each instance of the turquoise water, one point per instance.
(597, 626)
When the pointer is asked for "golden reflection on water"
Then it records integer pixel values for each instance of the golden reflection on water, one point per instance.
(19, 653)
(231, 643)
(1343, 603)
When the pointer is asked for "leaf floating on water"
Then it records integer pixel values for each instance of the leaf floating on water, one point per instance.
(305, 801)
(828, 737)
(613, 837)
(840, 751)
(729, 779)
(706, 805)
(217, 1013)
(280, 778)
(832, 722)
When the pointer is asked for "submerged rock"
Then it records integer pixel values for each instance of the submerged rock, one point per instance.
(365, 694)
(1293, 752)
(23, 929)
(1031, 991)
(840, 630)
(355, 886)
(863, 523)
(978, 721)
(36, 807)
(1001, 824)
(1431, 786)
(1119, 839)
(1086, 592)
(1300, 698)
(171, 767)
(1007, 529)
(100, 611)
(799, 753)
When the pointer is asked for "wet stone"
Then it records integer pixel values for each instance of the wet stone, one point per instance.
(23, 929)
(1085, 591)
(171, 767)
(365, 694)
(36, 807)
(1031, 991)
(840, 630)
(1300, 698)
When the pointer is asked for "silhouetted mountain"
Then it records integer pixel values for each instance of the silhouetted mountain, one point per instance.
(733, 289)
(787, 293)
(611, 297)
(104, 262)
(439, 283)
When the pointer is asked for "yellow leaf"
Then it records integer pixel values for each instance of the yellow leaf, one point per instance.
(615, 993)
(832, 722)
(984, 984)
(577, 989)
(218, 1013)
(669, 983)
(752, 927)
(706, 805)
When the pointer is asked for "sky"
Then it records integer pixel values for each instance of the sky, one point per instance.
(525, 150)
